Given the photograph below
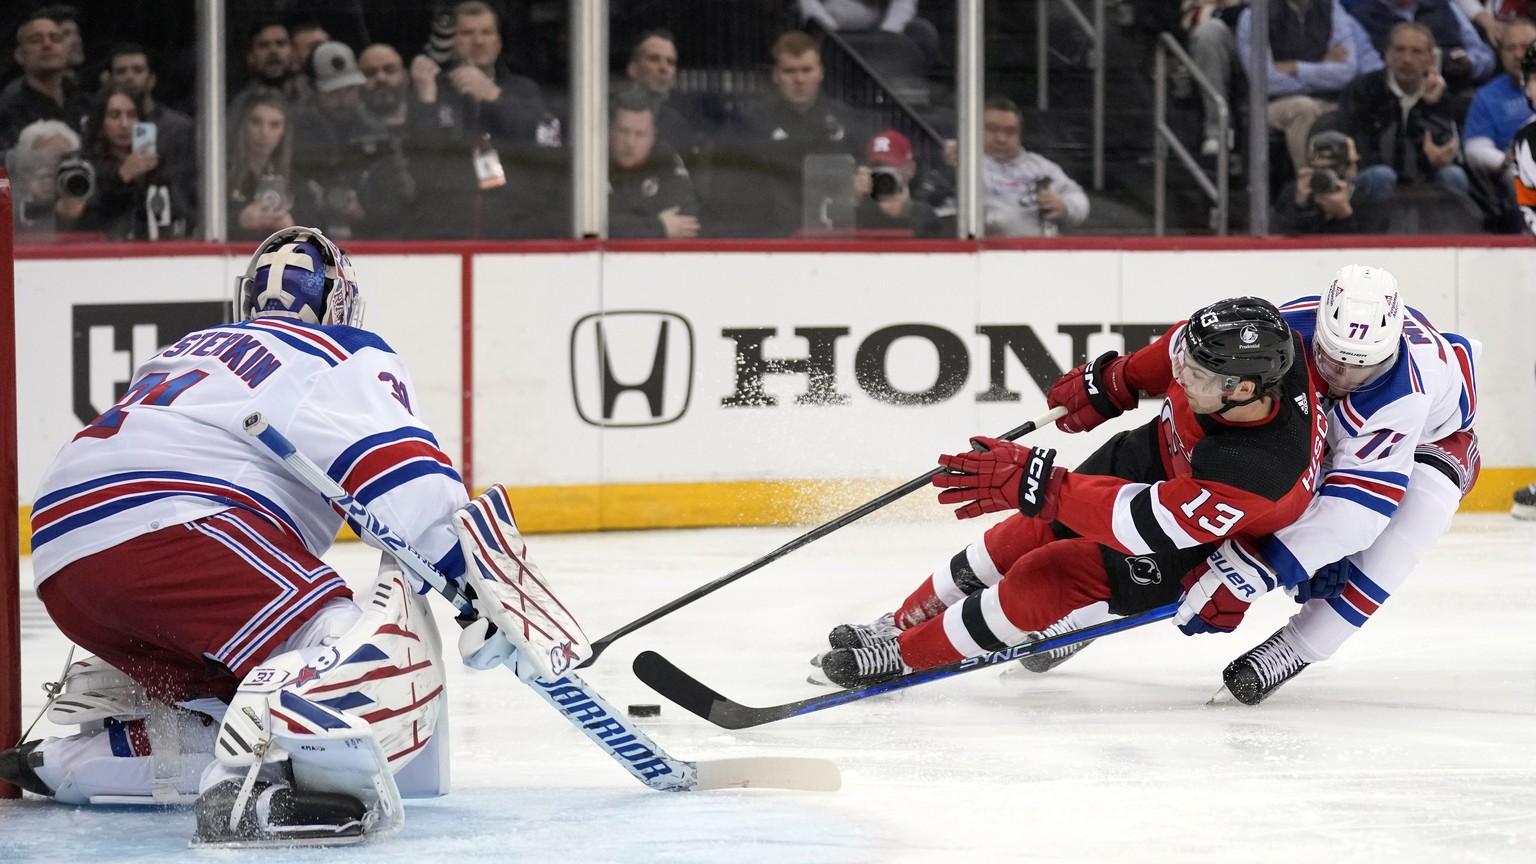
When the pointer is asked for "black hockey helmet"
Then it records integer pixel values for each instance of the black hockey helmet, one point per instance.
(1242, 337)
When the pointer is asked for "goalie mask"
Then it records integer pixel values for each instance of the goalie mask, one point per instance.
(298, 273)
(1359, 327)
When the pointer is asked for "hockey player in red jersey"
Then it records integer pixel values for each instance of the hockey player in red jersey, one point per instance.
(1233, 454)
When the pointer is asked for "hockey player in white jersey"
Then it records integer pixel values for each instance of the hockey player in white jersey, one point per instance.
(1402, 398)
(187, 562)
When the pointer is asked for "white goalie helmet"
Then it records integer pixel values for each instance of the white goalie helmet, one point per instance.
(298, 273)
(1359, 327)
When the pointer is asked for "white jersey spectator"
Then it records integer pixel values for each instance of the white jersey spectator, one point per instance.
(1027, 195)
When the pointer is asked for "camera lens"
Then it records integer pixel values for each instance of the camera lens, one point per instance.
(1324, 181)
(883, 183)
(75, 178)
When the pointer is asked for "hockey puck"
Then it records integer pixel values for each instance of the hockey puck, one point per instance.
(644, 710)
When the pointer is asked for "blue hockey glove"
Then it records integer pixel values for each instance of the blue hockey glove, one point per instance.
(1328, 582)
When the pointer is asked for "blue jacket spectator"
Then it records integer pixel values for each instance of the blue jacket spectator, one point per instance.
(1467, 58)
(1500, 108)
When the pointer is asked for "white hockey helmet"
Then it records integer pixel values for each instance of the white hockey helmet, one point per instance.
(299, 273)
(1359, 327)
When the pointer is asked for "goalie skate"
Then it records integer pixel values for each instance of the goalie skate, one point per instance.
(276, 814)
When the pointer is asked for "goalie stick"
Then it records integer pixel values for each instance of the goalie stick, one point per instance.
(588, 711)
(600, 645)
(661, 675)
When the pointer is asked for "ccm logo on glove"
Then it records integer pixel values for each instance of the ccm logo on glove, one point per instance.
(1003, 476)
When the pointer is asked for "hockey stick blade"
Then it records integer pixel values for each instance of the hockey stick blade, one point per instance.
(769, 772)
(661, 675)
(820, 531)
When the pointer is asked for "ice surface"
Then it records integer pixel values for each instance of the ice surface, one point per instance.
(1416, 743)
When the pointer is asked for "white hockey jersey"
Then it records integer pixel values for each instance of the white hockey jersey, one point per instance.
(1429, 393)
(172, 450)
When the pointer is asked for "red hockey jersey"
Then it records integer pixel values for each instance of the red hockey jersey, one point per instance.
(1225, 479)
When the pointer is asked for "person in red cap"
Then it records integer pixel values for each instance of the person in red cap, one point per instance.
(883, 186)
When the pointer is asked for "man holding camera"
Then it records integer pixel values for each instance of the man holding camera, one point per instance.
(1027, 195)
(52, 182)
(883, 185)
(1324, 201)
(1401, 120)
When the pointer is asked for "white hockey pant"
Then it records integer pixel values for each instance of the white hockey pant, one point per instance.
(1321, 626)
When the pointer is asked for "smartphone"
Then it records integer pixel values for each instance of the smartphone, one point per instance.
(272, 192)
(144, 135)
(1439, 59)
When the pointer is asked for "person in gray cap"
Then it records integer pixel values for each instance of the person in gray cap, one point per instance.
(350, 177)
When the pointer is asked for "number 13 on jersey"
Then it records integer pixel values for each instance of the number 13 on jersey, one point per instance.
(1218, 518)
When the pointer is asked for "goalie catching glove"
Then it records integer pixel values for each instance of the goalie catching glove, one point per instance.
(516, 608)
(1003, 476)
(1220, 590)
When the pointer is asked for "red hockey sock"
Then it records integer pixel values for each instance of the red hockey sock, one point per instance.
(921, 606)
(926, 645)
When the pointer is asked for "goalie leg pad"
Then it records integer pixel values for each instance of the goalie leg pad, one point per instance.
(511, 592)
(95, 690)
(151, 760)
(353, 714)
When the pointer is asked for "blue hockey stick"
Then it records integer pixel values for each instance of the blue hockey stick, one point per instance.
(665, 678)
(588, 711)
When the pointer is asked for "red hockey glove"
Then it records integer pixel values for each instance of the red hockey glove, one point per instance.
(1219, 591)
(1005, 476)
(1092, 393)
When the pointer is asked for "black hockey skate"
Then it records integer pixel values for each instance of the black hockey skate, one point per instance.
(1045, 661)
(1525, 503)
(1254, 675)
(278, 815)
(18, 767)
(882, 629)
(861, 667)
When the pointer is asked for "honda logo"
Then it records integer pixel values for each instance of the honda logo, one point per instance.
(632, 367)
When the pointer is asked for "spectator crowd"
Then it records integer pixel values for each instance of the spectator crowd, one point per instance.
(1374, 104)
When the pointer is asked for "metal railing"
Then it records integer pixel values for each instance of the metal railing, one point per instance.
(1094, 30)
(850, 78)
(1164, 140)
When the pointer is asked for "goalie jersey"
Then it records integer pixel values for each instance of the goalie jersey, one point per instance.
(1374, 435)
(172, 450)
